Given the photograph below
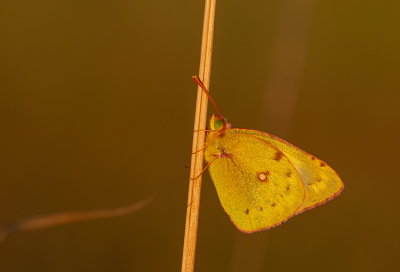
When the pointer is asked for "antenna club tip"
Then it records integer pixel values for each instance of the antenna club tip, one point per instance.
(196, 78)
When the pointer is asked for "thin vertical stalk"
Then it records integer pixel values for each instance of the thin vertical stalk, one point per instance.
(193, 204)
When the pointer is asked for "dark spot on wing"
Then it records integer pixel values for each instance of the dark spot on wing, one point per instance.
(273, 204)
(313, 158)
(289, 174)
(322, 164)
(247, 211)
(278, 156)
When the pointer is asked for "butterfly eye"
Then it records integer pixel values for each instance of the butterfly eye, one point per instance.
(218, 124)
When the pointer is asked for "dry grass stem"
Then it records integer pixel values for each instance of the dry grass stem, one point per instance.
(50, 220)
(193, 204)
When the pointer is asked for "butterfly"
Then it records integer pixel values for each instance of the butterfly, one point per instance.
(262, 180)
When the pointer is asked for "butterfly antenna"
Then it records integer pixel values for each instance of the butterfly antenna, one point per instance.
(197, 80)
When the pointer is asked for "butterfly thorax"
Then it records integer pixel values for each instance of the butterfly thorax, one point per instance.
(214, 144)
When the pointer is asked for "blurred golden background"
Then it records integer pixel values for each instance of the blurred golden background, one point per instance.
(96, 111)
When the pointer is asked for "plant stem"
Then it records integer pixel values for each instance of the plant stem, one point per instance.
(56, 219)
(193, 204)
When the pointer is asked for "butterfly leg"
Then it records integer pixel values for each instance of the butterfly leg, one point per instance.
(215, 130)
(206, 145)
(224, 154)
(215, 157)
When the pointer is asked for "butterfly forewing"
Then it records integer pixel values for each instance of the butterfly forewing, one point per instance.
(256, 183)
(320, 181)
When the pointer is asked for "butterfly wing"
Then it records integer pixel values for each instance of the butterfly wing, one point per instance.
(256, 183)
(320, 181)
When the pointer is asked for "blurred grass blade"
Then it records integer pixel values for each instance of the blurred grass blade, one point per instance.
(50, 220)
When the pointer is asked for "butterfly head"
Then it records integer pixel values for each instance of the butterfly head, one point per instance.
(218, 123)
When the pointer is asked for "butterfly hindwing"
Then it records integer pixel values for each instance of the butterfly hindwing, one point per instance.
(320, 181)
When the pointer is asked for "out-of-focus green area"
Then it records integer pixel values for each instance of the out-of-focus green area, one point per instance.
(97, 108)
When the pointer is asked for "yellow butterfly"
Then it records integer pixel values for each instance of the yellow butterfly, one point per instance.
(262, 180)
